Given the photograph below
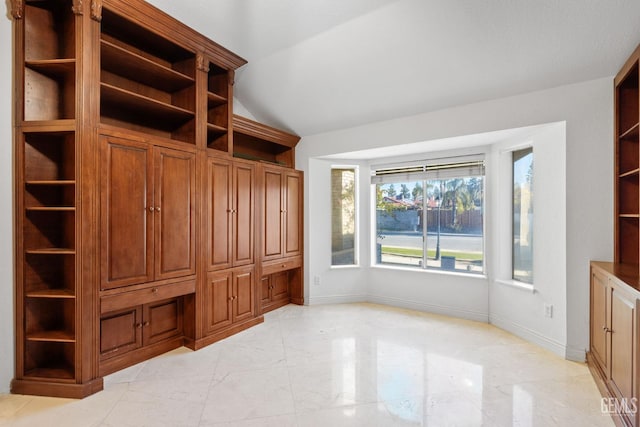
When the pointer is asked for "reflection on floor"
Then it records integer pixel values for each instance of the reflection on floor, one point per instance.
(335, 365)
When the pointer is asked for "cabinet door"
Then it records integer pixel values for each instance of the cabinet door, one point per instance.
(265, 290)
(162, 320)
(243, 213)
(218, 295)
(272, 215)
(622, 338)
(120, 332)
(599, 319)
(220, 207)
(280, 285)
(126, 222)
(174, 213)
(243, 294)
(293, 214)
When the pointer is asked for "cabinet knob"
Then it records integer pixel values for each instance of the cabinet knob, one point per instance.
(158, 209)
(284, 265)
(145, 323)
(139, 325)
(606, 330)
(154, 290)
(150, 208)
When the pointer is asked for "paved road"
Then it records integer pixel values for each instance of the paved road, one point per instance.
(447, 241)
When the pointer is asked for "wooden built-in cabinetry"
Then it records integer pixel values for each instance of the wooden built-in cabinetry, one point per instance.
(139, 196)
(615, 287)
(613, 355)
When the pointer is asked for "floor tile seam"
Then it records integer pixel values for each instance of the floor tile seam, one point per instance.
(113, 406)
(209, 387)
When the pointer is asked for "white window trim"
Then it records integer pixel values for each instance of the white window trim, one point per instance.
(356, 225)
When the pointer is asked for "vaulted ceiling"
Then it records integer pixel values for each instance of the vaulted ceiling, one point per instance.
(320, 65)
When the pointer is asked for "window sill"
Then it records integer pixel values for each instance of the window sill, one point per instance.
(518, 285)
(429, 271)
(345, 267)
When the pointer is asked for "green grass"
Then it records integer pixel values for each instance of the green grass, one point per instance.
(431, 253)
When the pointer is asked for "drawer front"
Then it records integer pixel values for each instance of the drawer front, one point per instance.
(146, 295)
(281, 265)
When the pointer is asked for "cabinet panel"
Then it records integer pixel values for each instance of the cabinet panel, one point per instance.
(244, 213)
(293, 211)
(265, 290)
(126, 223)
(218, 312)
(243, 294)
(599, 320)
(162, 320)
(220, 215)
(120, 332)
(280, 285)
(273, 206)
(174, 213)
(622, 339)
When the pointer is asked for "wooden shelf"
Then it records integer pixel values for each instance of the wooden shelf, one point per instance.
(51, 293)
(631, 132)
(59, 126)
(52, 182)
(633, 216)
(213, 100)
(52, 336)
(54, 372)
(216, 129)
(133, 107)
(630, 173)
(125, 63)
(51, 251)
(53, 67)
(51, 209)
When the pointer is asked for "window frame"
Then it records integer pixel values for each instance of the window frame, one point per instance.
(512, 154)
(356, 207)
(409, 173)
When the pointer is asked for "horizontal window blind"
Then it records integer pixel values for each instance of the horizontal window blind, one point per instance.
(429, 169)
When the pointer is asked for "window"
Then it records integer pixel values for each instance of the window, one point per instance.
(431, 216)
(522, 161)
(343, 216)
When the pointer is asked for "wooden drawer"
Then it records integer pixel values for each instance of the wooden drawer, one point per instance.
(281, 265)
(146, 295)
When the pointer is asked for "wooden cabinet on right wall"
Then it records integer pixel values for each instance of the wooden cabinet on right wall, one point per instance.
(613, 356)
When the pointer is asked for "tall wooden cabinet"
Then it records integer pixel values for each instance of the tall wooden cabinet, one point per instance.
(615, 287)
(138, 194)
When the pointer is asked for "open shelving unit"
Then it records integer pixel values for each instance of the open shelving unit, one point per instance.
(49, 223)
(255, 141)
(218, 81)
(627, 173)
(147, 83)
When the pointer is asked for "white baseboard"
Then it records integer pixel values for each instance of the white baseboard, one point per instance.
(337, 299)
(430, 308)
(576, 354)
(530, 335)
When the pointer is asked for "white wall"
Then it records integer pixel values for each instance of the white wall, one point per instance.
(343, 284)
(6, 208)
(587, 109)
(514, 308)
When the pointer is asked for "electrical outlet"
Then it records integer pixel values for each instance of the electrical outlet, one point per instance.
(316, 280)
(548, 310)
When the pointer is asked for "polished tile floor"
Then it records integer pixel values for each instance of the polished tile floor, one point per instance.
(338, 365)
